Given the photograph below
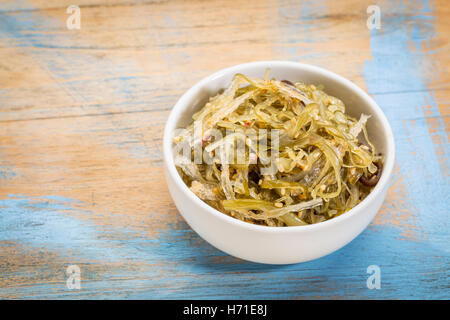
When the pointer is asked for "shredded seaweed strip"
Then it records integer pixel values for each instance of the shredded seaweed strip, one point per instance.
(324, 165)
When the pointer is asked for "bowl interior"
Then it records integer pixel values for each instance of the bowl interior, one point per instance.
(355, 100)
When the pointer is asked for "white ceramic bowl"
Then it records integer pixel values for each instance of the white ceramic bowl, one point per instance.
(278, 245)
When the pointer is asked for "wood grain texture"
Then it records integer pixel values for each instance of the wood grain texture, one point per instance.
(81, 122)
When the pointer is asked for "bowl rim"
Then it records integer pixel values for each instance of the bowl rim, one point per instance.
(181, 105)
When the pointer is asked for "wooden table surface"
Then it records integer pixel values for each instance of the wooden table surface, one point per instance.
(81, 123)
